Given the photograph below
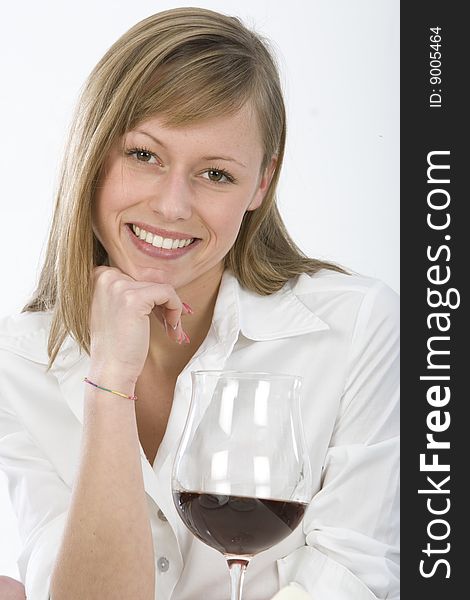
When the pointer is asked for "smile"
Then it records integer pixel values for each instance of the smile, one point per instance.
(158, 241)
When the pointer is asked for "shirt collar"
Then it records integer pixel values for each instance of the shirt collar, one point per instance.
(263, 318)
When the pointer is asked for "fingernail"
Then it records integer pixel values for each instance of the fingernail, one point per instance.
(175, 327)
(180, 339)
(186, 337)
(188, 308)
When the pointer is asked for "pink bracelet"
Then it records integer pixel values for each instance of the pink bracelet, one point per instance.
(86, 380)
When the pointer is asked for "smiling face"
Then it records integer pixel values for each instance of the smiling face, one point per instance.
(170, 202)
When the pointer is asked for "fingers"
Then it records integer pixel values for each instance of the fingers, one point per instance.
(173, 323)
(130, 303)
(187, 308)
(120, 323)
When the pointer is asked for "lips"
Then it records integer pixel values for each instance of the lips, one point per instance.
(168, 243)
(160, 243)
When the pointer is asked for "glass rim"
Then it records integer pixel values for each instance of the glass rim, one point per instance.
(246, 374)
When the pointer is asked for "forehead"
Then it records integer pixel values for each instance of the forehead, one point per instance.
(235, 132)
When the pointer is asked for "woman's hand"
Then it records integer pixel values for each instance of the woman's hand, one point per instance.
(120, 324)
(11, 589)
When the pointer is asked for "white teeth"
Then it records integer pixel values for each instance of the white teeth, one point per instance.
(160, 242)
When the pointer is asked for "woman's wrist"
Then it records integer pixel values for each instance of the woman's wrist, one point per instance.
(112, 377)
(110, 391)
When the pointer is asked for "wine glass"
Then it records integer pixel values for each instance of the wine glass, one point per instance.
(241, 478)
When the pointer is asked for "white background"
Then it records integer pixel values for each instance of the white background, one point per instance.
(339, 192)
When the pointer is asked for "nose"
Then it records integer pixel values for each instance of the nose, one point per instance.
(172, 198)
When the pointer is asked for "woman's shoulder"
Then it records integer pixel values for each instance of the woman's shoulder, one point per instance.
(328, 281)
(328, 291)
(26, 334)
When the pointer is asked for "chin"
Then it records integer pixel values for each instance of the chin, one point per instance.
(143, 273)
(153, 275)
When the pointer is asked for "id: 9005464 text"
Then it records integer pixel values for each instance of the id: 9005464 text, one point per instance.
(435, 71)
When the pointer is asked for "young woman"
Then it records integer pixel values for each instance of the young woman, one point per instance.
(167, 254)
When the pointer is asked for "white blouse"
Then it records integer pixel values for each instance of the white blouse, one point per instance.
(340, 333)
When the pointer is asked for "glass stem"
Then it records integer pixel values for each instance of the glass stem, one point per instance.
(237, 568)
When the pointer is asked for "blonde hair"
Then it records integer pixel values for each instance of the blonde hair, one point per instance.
(186, 65)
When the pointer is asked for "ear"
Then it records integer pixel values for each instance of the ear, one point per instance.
(263, 185)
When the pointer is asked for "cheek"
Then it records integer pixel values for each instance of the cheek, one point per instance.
(121, 186)
(114, 196)
(226, 223)
(97, 222)
(97, 217)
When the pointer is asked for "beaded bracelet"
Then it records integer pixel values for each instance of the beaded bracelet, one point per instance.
(86, 380)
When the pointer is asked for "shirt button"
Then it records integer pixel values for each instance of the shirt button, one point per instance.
(163, 564)
(161, 516)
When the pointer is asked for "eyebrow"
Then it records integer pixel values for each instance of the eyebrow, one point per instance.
(226, 158)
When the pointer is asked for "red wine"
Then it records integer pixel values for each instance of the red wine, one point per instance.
(238, 524)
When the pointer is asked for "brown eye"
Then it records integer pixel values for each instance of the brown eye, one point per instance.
(143, 155)
(219, 176)
(215, 175)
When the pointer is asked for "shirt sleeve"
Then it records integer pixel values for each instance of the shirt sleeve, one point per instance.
(40, 499)
(352, 523)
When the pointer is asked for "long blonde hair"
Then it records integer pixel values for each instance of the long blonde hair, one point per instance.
(186, 65)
